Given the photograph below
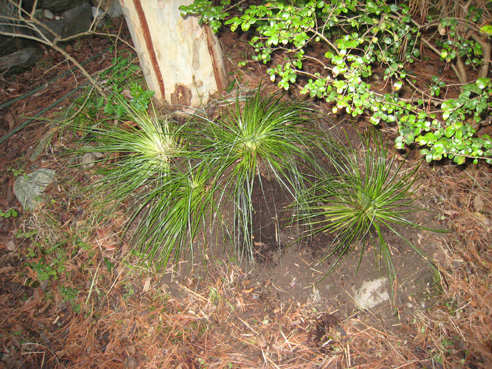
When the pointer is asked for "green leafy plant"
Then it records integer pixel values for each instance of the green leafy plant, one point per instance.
(365, 196)
(50, 265)
(17, 172)
(361, 36)
(8, 213)
(71, 295)
(120, 79)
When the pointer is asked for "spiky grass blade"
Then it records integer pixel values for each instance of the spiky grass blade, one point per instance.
(137, 152)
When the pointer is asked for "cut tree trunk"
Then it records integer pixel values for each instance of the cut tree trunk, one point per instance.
(182, 61)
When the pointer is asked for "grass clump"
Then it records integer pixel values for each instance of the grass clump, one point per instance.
(146, 165)
(365, 196)
(186, 180)
(259, 139)
(174, 211)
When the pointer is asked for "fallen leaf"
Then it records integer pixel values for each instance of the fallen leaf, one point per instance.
(451, 213)
(130, 363)
(473, 303)
(10, 245)
(110, 247)
(10, 120)
(60, 353)
(147, 285)
(101, 234)
(484, 351)
(6, 269)
(131, 349)
(31, 273)
(419, 338)
(4, 299)
(478, 203)
(127, 93)
(482, 218)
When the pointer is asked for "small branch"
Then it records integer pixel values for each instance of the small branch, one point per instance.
(234, 6)
(328, 42)
(36, 26)
(33, 10)
(455, 69)
(460, 67)
(82, 69)
(430, 46)
(316, 60)
(466, 7)
(486, 51)
(66, 55)
(431, 98)
(299, 71)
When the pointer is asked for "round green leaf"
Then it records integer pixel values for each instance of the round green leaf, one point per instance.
(482, 83)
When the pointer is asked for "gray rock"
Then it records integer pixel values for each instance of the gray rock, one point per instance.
(111, 8)
(55, 6)
(64, 18)
(9, 44)
(71, 22)
(19, 60)
(29, 187)
(372, 293)
(114, 9)
(89, 159)
(48, 14)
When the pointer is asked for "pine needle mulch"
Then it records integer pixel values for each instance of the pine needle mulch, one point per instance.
(68, 299)
(217, 325)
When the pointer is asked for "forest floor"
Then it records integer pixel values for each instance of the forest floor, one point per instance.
(70, 299)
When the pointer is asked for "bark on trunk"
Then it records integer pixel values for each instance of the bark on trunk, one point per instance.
(182, 61)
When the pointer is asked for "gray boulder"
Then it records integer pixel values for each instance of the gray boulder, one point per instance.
(70, 22)
(29, 187)
(372, 293)
(19, 60)
(55, 6)
(9, 44)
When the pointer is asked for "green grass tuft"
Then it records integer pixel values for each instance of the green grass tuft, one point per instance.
(262, 137)
(365, 195)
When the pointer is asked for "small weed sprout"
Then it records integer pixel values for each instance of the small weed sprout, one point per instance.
(8, 213)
